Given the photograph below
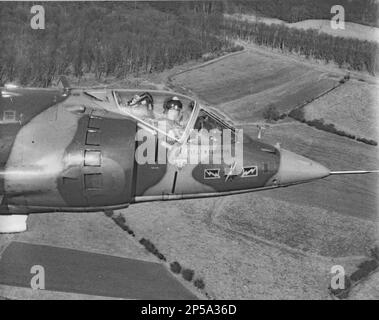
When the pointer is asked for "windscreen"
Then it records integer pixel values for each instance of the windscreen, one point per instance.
(166, 112)
(210, 122)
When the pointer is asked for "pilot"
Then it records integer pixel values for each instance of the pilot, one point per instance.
(142, 104)
(134, 100)
(145, 99)
(172, 109)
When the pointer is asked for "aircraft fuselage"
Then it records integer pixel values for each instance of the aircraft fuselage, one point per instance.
(75, 151)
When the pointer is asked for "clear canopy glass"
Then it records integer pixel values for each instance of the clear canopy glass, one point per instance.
(148, 107)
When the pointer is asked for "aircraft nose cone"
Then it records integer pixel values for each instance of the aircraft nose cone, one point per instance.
(295, 168)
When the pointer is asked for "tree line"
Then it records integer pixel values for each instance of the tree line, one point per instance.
(350, 53)
(119, 39)
(104, 38)
(358, 11)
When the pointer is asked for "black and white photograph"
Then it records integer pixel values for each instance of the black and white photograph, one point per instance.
(189, 155)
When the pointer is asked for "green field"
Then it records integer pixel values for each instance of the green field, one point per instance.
(277, 243)
(232, 266)
(244, 85)
(348, 195)
(334, 217)
(352, 108)
(303, 227)
(243, 249)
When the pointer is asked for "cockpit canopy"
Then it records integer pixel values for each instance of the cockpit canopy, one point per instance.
(169, 113)
(153, 109)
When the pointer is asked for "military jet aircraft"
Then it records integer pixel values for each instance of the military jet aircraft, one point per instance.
(75, 149)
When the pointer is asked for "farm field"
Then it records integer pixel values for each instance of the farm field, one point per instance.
(354, 196)
(352, 30)
(352, 108)
(307, 228)
(233, 265)
(261, 245)
(335, 217)
(243, 85)
(273, 244)
(262, 235)
(92, 232)
(242, 249)
(277, 244)
(367, 289)
(348, 195)
(87, 232)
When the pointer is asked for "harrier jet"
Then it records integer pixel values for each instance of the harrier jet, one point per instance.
(76, 149)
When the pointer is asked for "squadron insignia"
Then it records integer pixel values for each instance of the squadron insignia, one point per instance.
(250, 172)
(211, 173)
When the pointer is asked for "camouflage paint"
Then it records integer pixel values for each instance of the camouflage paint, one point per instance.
(108, 179)
(77, 153)
(37, 158)
(265, 157)
(26, 104)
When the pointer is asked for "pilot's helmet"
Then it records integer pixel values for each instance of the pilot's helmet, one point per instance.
(173, 104)
(147, 100)
(144, 99)
(173, 108)
(134, 100)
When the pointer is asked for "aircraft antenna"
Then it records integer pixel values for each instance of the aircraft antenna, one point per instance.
(354, 172)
